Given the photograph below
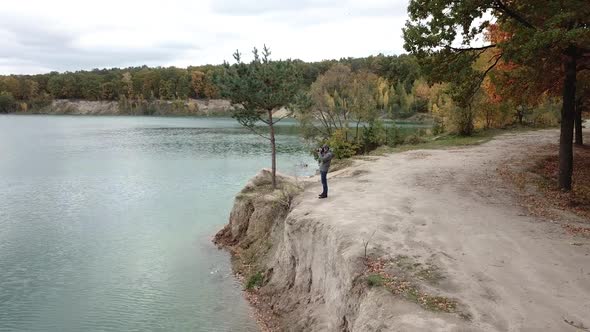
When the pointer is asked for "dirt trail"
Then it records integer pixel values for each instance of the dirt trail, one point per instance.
(513, 272)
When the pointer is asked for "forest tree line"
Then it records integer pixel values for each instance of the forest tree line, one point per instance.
(198, 82)
(398, 85)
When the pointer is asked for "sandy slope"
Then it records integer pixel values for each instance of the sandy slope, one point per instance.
(449, 207)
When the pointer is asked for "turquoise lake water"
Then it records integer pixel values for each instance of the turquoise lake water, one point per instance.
(106, 222)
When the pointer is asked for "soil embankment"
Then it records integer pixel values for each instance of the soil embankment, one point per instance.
(191, 107)
(425, 240)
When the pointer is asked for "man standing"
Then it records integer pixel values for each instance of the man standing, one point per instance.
(325, 157)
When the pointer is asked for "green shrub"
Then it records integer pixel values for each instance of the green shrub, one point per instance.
(420, 105)
(178, 105)
(255, 281)
(394, 136)
(7, 102)
(462, 121)
(547, 114)
(150, 109)
(413, 139)
(438, 127)
(340, 146)
(373, 136)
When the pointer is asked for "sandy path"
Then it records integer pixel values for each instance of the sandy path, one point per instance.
(449, 207)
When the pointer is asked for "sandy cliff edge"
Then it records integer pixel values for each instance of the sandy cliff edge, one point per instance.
(448, 248)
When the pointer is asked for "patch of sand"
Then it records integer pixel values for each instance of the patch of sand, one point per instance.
(512, 271)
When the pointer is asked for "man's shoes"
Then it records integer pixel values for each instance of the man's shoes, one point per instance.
(322, 196)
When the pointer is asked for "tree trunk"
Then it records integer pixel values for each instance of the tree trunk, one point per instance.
(274, 150)
(566, 153)
(579, 137)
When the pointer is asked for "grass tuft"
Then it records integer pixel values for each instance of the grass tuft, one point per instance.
(255, 281)
(402, 284)
(375, 280)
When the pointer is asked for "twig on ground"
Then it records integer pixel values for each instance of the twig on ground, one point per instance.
(366, 242)
(579, 326)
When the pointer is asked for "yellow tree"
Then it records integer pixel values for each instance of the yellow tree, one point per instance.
(198, 83)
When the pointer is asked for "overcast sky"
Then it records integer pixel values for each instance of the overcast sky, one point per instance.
(38, 36)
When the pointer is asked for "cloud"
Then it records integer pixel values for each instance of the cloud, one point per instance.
(40, 36)
(302, 7)
(39, 48)
(246, 7)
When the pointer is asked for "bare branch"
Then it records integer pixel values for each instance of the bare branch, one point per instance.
(324, 121)
(579, 326)
(485, 73)
(366, 243)
(498, 57)
(458, 49)
(331, 117)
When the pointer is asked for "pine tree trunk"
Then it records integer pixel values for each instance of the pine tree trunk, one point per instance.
(579, 137)
(274, 151)
(566, 153)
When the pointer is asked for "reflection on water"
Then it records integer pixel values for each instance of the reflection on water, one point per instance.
(105, 222)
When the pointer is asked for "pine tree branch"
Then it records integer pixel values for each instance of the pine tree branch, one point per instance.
(281, 118)
(502, 7)
(255, 131)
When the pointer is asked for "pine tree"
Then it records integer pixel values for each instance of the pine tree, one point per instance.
(260, 88)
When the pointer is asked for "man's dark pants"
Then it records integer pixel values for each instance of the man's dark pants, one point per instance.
(324, 183)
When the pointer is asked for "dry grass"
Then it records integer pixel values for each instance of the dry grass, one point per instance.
(578, 199)
(379, 273)
(338, 164)
(536, 178)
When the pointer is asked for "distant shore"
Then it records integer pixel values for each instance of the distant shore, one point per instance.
(189, 107)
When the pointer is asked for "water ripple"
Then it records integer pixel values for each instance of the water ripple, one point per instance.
(105, 222)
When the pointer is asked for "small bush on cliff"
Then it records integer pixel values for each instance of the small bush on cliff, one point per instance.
(254, 281)
(340, 146)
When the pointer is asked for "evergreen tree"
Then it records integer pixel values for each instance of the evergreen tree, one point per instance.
(260, 88)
